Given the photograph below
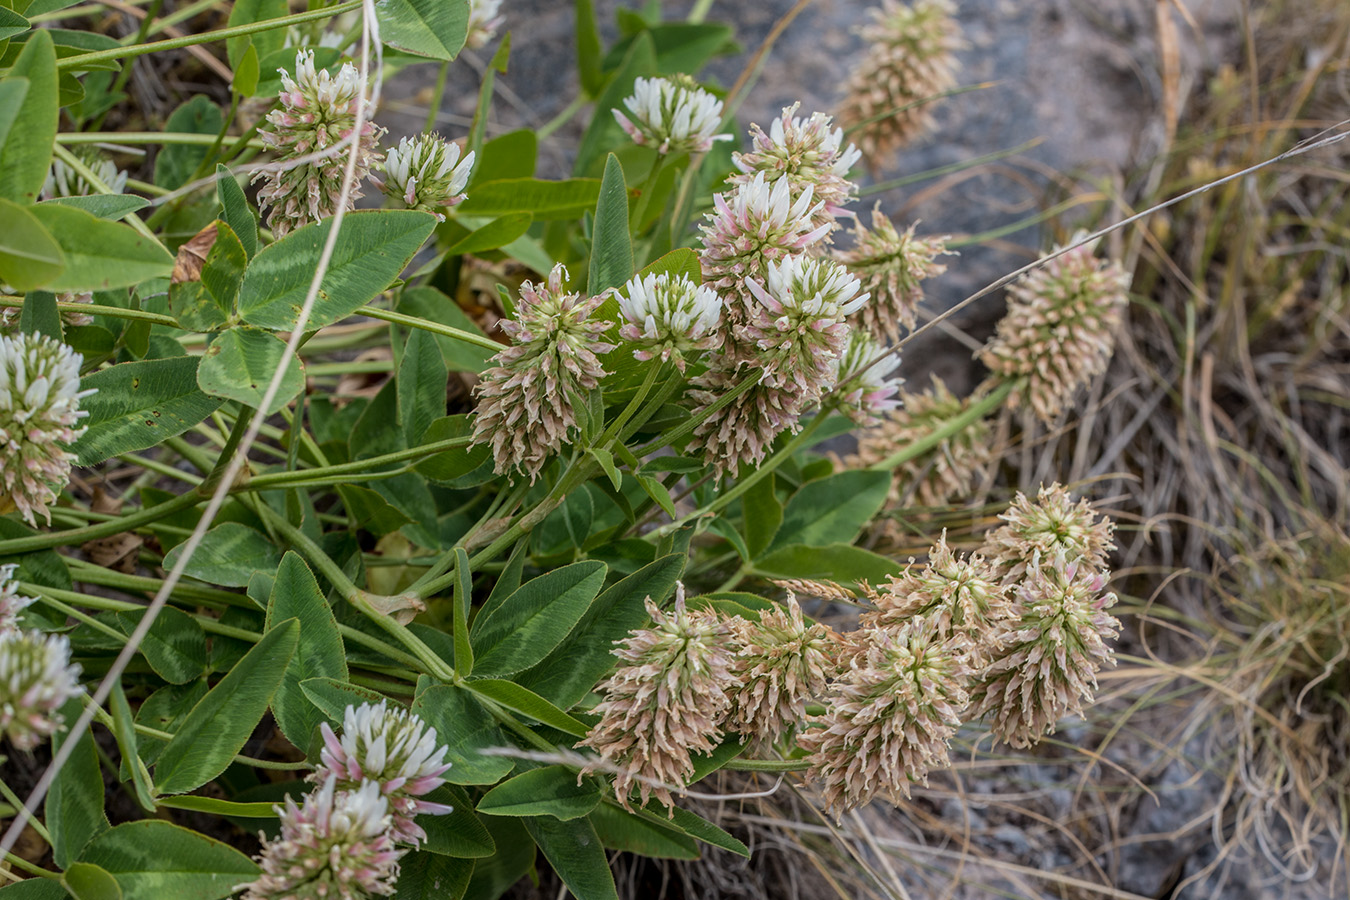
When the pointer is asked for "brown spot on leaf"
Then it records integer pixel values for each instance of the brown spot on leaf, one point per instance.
(187, 266)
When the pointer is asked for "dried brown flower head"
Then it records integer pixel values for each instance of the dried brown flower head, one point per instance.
(891, 264)
(1053, 523)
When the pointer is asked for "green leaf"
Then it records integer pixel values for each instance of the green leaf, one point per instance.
(513, 860)
(574, 851)
(465, 728)
(698, 827)
(548, 791)
(26, 153)
(682, 46)
(175, 645)
(619, 829)
(12, 91)
(761, 515)
(332, 697)
(485, 90)
(612, 245)
(247, 73)
(835, 562)
(606, 461)
(46, 889)
(422, 379)
(428, 876)
(319, 652)
(206, 302)
(463, 599)
(247, 12)
(526, 702)
(523, 628)
(228, 555)
(103, 206)
(570, 672)
(832, 510)
(511, 155)
(545, 200)
(86, 881)
(431, 28)
(40, 315)
(223, 720)
(151, 858)
(588, 48)
(238, 215)
(74, 805)
(459, 833)
(372, 249)
(374, 513)
(139, 404)
(494, 235)
(241, 362)
(124, 729)
(11, 23)
(604, 132)
(217, 807)
(430, 304)
(176, 163)
(29, 256)
(652, 487)
(679, 262)
(100, 255)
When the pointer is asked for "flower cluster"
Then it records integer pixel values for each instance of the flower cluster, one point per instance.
(674, 115)
(665, 701)
(1059, 331)
(669, 318)
(1052, 523)
(318, 111)
(808, 153)
(910, 60)
(527, 400)
(891, 264)
(862, 389)
(36, 679)
(426, 173)
(483, 22)
(39, 411)
(64, 181)
(11, 601)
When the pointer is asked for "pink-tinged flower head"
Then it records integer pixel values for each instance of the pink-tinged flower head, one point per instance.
(741, 432)
(39, 410)
(337, 845)
(318, 110)
(11, 601)
(894, 704)
(781, 664)
(426, 173)
(527, 401)
(1052, 648)
(910, 59)
(664, 702)
(891, 264)
(669, 318)
(36, 678)
(1050, 524)
(483, 22)
(862, 390)
(798, 325)
(393, 748)
(1059, 332)
(674, 115)
(759, 222)
(809, 153)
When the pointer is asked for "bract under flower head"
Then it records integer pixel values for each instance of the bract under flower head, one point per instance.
(393, 748)
(808, 153)
(669, 317)
(36, 678)
(674, 115)
(39, 409)
(426, 173)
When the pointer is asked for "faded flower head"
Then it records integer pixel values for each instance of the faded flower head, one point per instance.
(1054, 523)
(336, 846)
(674, 115)
(1052, 649)
(959, 596)
(394, 749)
(761, 222)
(11, 601)
(781, 663)
(910, 59)
(742, 431)
(936, 476)
(891, 264)
(39, 409)
(426, 173)
(669, 317)
(808, 153)
(799, 324)
(318, 110)
(1059, 331)
(36, 679)
(862, 390)
(483, 22)
(664, 701)
(527, 400)
(64, 181)
(892, 708)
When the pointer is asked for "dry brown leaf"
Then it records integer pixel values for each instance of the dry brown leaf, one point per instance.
(192, 256)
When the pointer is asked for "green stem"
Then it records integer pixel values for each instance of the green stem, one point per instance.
(13, 800)
(285, 479)
(434, 327)
(19, 862)
(978, 410)
(562, 118)
(679, 433)
(77, 536)
(93, 309)
(699, 12)
(437, 93)
(220, 34)
(768, 765)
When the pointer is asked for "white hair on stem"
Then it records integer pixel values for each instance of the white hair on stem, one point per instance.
(370, 36)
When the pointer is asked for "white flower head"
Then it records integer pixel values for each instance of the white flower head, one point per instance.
(426, 173)
(806, 151)
(669, 317)
(64, 181)
(483, 22)
(36, 678)
(673, 115)
(864, 391)
(39, 410)
(11, 601)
